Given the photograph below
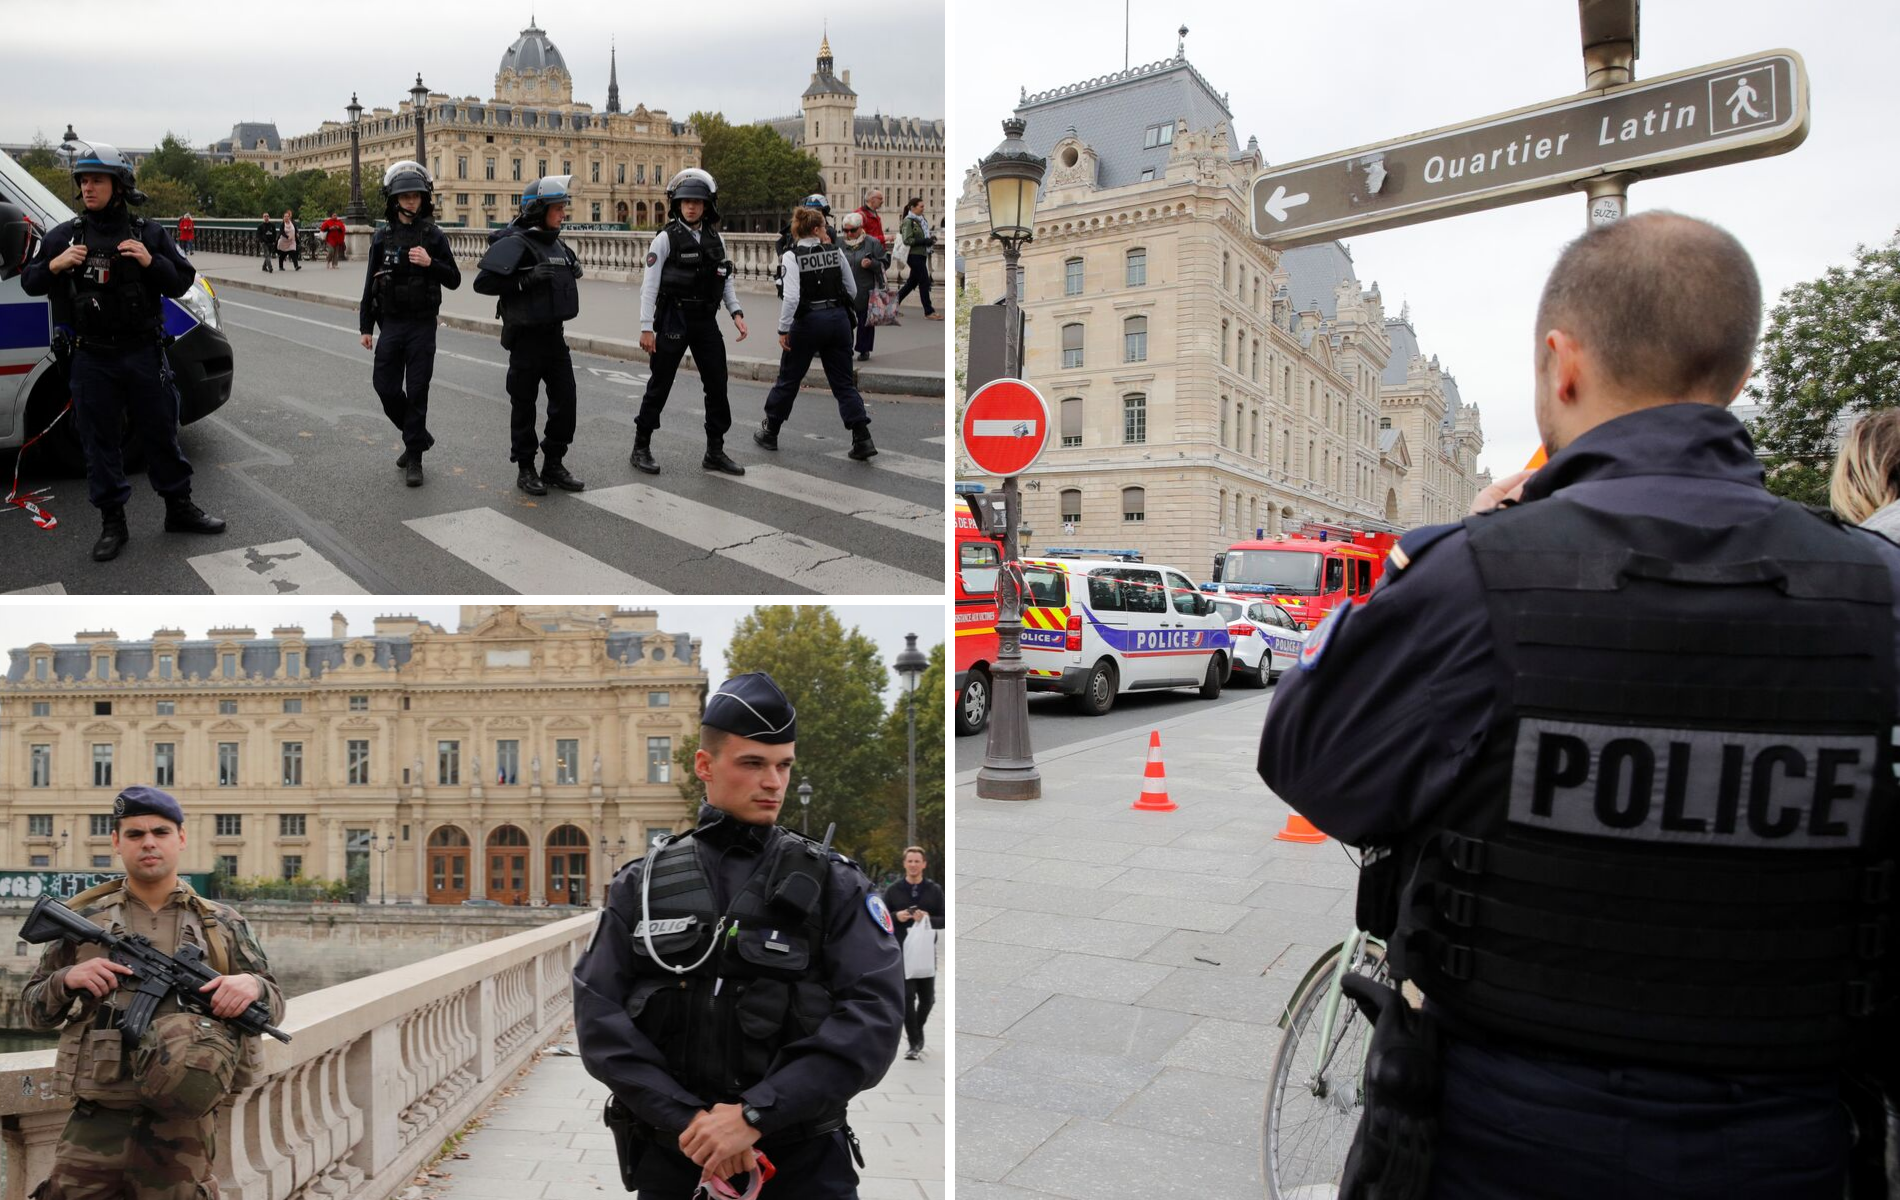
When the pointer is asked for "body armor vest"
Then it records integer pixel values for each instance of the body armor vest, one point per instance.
(541, 305)
(820, 276)
(1676, 845)
(757, 986)
(111, 297)
(696, 268)
(405, 291)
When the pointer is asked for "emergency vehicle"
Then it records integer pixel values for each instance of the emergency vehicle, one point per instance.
(1266, 641)
(31, 389)
(1308, 574)
(1094, 628)
(979, 556)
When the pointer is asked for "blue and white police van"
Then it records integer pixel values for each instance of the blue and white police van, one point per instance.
(32, 390)
(1266, 640)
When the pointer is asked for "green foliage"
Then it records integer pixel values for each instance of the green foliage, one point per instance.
(1831, 353)
(58, 181)
(175, 161)
(39, 153)
(756, 168)
(168, 198)
(303, 890)
(883, 850)
(238, 189)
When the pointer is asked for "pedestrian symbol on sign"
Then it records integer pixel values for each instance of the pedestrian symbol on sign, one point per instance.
(1739, 103)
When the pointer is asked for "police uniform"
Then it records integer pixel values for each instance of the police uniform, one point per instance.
(1629, 742)
(740, 964)
(404, 300)
(111, 308)
(144, 1117)
(537, 280)
(817, 312)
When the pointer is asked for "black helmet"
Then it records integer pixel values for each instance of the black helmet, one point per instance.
(537, 196)
(19, 239)
(816, 201)
(97, 158)
(693, 184)
(408, 175)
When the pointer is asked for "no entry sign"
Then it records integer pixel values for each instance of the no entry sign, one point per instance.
(1005, 427)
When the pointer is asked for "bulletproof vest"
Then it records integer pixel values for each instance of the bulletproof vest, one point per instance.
(1676, 844)
(112, 297)
(544, 304)
(405, 291)
(758, 983)
(820, 276)
(696, 268)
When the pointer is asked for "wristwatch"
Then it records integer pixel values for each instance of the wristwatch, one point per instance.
(752, 1116)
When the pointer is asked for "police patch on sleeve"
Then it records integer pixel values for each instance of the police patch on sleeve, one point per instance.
(652, 258)
(879, 913)
(1322, 634)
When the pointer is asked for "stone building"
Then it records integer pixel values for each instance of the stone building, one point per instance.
(253, 142)
(1204, 387)
(518, 758)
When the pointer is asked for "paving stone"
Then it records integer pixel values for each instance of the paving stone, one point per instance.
(1028, 896)
(1057, 873)
(1296, 898)
(1141, 880)
(993, 1138)
(1236, 995)
(1095, 977)
(973, 1048)
(980, 960)
(1041, 1092)
(1176, 913)
(1101, 1027)
(1079, 1162)
(1082, 935)
(1195, 1104)
(1222, 1047)
(991, 1010)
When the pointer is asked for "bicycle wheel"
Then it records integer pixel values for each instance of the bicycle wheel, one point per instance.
(1314, 1092)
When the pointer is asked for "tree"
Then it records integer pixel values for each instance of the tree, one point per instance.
(883, 851)
(176, 161)
(39, 153)
(1831, 353)
(167, 198)
(756, 168)
(238, 189)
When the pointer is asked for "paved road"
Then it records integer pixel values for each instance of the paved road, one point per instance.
(301, 461)
(1054, 723)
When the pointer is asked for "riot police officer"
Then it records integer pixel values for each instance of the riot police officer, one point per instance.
(743, 983)
(409, 264)
(815, 318)
(1624, 744)
(538, 281)
(105, 271)
(688, 279)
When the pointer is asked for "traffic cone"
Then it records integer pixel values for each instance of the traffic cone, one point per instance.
(1154, 788)
(1299, 829)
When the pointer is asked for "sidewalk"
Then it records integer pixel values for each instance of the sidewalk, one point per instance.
(542, 1139)
(1120, 975)
(908, 359)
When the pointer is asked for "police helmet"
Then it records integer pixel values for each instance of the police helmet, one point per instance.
(19, 239)
(537, 196)
(97, 158)
(693, 184)
(408, 175)
(816, 201)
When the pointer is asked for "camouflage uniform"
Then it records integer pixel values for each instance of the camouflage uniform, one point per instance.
(114, 1147)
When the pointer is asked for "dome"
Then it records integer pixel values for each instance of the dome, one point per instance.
(532, 51)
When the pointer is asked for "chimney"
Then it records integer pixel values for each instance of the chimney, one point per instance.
(847, 76)
(339, 628)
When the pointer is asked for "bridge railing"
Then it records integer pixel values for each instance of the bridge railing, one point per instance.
(378, 1073)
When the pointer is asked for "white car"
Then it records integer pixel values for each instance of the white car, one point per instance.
(1266, 640)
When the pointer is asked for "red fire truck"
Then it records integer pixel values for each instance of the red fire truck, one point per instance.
(978, 558)
(1308, 573)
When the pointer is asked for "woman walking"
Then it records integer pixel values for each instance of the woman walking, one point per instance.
(287, 243)
(917, 238)
(815, 319)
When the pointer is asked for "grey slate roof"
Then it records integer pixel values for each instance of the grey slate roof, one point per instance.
(1404, 350)
(1112, 113)
(1312, 274)
(870, 130)
(135, 660)
(1389, 438)
(532, 51)
(245, 136)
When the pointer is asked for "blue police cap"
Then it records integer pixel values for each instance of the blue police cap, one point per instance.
(141, 801)
(752, 706)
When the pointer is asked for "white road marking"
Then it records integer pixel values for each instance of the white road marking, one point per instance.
(523, 558)
(858, 503)
(929, 469)
(273, 569)
(44, 589)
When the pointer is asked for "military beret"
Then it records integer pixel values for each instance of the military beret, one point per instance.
(752, 707)
(141, 801)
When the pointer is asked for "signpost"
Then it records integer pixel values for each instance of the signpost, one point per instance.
(1726, 112)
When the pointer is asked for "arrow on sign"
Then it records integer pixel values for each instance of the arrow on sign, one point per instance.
(1279, 202)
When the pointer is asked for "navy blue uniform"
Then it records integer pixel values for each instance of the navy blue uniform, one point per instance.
(405, 354)
(1369, 739)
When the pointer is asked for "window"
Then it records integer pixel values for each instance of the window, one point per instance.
(1071, 506)
(359, 703)
(41, 757)
(1158, 135)
(101, 861)
(356, 754)
(620, 172)
(977, 564)
(448, 763)
(567, 760)
(290, 825)
(507, 763)
(461, 166)
(516, 164)
(39, 825)
(227, 665)
(228, 865)
(40, 860)
(1335, 574)
(1137, 268)
(659, 699)
(1223, 422)
(461, 198)
(164, 764)
(293, 764)
(293, 664)
(1072, 277)
(1071, 347)
(39, 669)
(540, 168)
(102, 667)
(1134, 505)
(227, 764)
(1223, 343)
(43, 708)
(228, 825)
(1134, 419)
(659, 760)
(167, 708)
(102, 708)
(293, 866)
(102, 765)
(567, 166)
(1135, 340)
(488, 199)
(488, 170)
(1072, 421)
(593, 172)
(1184, 596)
(293, 706)
(227, 708)
(99, 825)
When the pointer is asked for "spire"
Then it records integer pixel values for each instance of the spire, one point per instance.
(824, 52)
(613, 79)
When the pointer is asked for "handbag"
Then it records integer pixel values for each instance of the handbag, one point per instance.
(286, 241)
(920, 950)
(881, 308)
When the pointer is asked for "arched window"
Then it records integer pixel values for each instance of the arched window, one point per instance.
(1223, 343)
(1070, 507)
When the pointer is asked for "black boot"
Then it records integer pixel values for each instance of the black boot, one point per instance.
(529, 482)
(553, 472)
(182, 516)
(112, 534)
(403, 461)
(717, 460)
(642, 456)
(412, 470)
(766, 434)
(861, 447)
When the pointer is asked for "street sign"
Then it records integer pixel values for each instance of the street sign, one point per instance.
(1725, 112)
(1005, 427)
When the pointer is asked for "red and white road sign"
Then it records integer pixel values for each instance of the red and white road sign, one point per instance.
(1005, 427)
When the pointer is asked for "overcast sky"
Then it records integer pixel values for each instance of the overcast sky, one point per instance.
(1309, 79)
(197, 70)
(22, 624)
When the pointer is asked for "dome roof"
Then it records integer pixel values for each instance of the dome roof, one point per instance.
(532, 51)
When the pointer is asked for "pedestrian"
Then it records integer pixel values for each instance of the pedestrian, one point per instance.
(144, 1122)
(267, 238)
(537, 279)
(105, 271)
(915, 233)
(1627, 844)
(187, 233)
(910, 899)
(333, 230)
(688, 279)
(287, 243)
(815, 319)
(743, 982)
(410, 262)
(868, 258)
(1865, 488)
(873, 223)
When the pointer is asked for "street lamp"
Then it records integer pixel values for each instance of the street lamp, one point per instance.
(356, 214)
(804, 806)
(419, 96)
(909, 666)
(383, 844)
(1011, 177)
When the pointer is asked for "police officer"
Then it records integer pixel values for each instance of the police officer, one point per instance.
(688, 278)
(409, 264)
(815, 319)
(786, 237)
(744, 982)
(1624, 741)
(105, 271)
(538, 281)
(143, 1123)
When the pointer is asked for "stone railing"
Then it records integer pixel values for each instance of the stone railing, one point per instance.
(378, 1073)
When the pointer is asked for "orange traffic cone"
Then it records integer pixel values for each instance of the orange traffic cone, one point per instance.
(1154, 788)
(1299, 829)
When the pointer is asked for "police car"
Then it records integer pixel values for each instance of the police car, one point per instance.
(1266, 640)
(31, 390)
(1094, 628)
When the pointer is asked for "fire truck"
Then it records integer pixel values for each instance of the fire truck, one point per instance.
(1309, 573)
(979, 556)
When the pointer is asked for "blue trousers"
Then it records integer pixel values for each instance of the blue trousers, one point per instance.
(116, 388)
(825, 333)
(405, 362)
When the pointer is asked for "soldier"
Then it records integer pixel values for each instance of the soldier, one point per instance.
(143, 1123)
(105, 271)
(538, 281)
(688, 278)
(743, 983)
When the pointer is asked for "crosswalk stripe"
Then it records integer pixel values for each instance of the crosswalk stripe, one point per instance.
(855, 502)
(930, 469)
(787, 556)
(45, 589)
(936, 441)
(273, 569)
(521, 557)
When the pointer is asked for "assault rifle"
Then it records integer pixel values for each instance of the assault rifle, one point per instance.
(155, 974)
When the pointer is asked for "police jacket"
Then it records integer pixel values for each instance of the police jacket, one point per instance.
(791, 998)
(395, 289)
(815, 277)
(688, 264)
(534, 274)
(110, 299)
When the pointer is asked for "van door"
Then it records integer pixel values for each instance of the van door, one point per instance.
(1333, 587)
(1197, 642)
(1148, 618)
(1045, 616)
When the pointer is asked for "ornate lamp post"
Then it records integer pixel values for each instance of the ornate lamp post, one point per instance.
(419, 96)
(909, 666)
(356, 214)
(804, 806)
(383, 844)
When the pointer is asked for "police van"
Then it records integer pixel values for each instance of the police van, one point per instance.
(1094, 628)
(32, 391)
